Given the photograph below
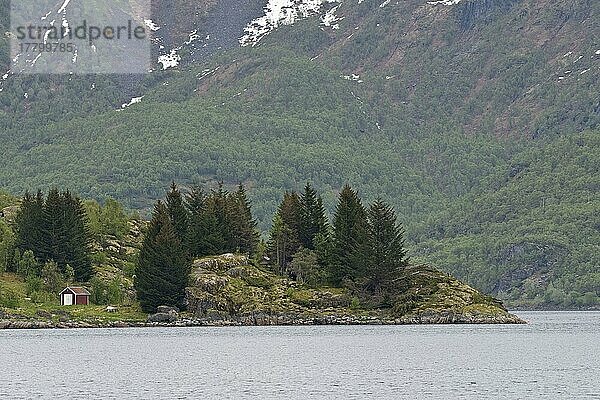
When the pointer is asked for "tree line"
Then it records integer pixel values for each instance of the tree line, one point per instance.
(185, 227)
(52, 229)
(363, 247)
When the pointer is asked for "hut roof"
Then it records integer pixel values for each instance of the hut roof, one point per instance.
(77, 290)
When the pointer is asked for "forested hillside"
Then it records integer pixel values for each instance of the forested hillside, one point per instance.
(478, 121)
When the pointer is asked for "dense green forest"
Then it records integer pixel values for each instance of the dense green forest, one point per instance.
(53, 240)
(363, 249)
(48, 241)
(477, 123)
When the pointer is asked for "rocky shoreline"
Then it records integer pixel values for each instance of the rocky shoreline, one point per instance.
(261, 319)
(228, 290)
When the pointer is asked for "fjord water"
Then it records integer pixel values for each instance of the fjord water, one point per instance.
(555, 356)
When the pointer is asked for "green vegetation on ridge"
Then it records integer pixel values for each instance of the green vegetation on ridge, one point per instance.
(466, 121)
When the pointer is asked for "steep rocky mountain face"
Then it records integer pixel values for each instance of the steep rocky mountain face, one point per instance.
(477, 119)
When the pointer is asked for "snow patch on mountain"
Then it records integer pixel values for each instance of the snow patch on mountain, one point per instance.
(279, 13)
(172, 59)
(134, 100)
(330, 19)
(444, 2)
(151, 25)
(353, 77)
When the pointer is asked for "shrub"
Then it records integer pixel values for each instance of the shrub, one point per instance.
(9, 298)
(54, 282)
(103, 293)
(33, 284)
(43, 297)
(98, 291)
(28, 265)
(114, 292)
(306, 269)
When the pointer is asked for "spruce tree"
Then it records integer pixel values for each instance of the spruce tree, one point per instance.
(51, 247)
(178, 213)
(163, 267)
(204, 236)
(349, 237)
(76, 238)
(290, 211)
(313, 219)
(29, 223)
(56, 230)
(245, 232)
(195, 202)
(219, 219)
(284, 238)
(386, 256)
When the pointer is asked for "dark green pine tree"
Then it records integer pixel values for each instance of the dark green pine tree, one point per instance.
(313, 220)
(386, 257)
(29, 223)
(204, 235)
(244, 227)
(163, 266)
(77, 238)
(178, 213)
(66, 238)
(284, 238)
(219, 206)
(51, 247)
(195, 202)
(290, 211)
(349, 237)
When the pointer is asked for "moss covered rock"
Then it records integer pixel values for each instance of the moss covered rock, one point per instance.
(229, 288)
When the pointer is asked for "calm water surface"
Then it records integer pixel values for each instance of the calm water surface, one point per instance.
(556, 356)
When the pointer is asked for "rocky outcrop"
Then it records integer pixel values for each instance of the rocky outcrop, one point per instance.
(29, 324)
(227, 290)
(528, 260)
(163, 317)
(167, 309)
(9, 213)
(164, 314)
(473, 12)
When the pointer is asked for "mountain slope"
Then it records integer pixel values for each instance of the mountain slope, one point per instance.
(465, 117)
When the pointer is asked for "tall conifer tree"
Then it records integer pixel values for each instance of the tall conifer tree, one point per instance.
(163, 267)
(290, 211)
(386, 256)
(53, 228)
(178, 213)
(219, 207)
(284, 240)
(246, 236)
(76, 238)
(349, 237)
(205, 236)
(29, 223)
(313, 219)
(56, 230)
